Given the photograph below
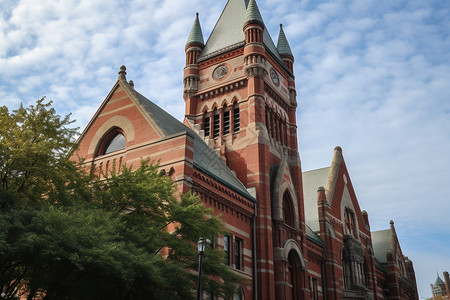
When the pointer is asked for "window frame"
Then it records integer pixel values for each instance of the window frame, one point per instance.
(107, 139)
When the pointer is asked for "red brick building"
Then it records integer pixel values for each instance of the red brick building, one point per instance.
(238, 150)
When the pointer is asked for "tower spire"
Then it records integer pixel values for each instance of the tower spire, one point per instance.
(283, 45)
(284, 50)
(252, 14)
(196, 35)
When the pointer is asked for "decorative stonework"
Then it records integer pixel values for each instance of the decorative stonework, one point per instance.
(278, 99)
(220, 72)
(222, 90)
(274, 77)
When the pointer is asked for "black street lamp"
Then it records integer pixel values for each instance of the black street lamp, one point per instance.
(201, 248)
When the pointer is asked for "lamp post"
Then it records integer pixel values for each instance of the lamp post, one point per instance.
(201, 249)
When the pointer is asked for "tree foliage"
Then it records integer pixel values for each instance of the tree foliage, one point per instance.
(67, 235)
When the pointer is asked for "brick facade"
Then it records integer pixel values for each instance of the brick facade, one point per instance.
(238, 151)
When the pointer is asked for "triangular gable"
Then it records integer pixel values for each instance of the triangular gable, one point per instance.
(121, 108)
(340, 193)
(338, 189)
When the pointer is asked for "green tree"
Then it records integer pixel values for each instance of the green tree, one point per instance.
(66, 235)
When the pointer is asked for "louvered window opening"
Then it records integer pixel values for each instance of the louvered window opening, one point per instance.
(226, 122)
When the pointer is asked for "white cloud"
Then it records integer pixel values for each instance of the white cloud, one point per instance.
(371, 76)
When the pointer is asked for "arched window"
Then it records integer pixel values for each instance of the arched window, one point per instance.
(113, 141)
(287, 210)
(293, 275)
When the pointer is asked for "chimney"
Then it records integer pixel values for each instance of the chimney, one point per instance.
(447, 284)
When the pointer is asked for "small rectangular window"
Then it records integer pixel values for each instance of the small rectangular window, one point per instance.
(315, 290)
(236, 119)
(226, 248)
(216, 124)
(226, 122)
(206, 126)
(237, 254)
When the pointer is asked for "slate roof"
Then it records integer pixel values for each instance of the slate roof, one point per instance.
(314, 237)
(382, 244)
(283, 45)
(228, 32)
(205, 159)
(311, 181)
(196, 35)
(253, 13)
(439, 281)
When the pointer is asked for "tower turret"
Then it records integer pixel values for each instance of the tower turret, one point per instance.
(284, 50)
(194, 46)
(254, 51)
(288, 58)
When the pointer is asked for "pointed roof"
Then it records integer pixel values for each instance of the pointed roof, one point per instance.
(228, 32)
(196, 35)
(439, 281)
(283, 45)
(252, 14)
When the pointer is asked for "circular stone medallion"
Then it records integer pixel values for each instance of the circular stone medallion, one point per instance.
(274, 76)
(220, 72)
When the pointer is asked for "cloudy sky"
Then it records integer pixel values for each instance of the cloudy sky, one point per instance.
(372, 77)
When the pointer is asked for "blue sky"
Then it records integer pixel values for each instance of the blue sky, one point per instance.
(372, 77)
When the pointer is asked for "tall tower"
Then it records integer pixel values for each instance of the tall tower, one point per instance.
(239, 91)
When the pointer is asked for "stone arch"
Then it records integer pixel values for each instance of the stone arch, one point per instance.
(291, 245)
(235, 98)
(278, 199)
(108, 138)
(114, 122)
(204, 108)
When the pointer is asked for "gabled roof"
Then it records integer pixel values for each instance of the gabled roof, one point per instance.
(228, 32)
(311, 181)
(205, 159)
(382, 244)
(314, 237)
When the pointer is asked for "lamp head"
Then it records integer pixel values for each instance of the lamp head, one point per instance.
(201, 245)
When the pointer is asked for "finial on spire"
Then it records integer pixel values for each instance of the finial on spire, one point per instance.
(196, 35)
(122, 72)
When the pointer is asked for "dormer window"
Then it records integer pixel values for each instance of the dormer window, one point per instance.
(114, 141)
